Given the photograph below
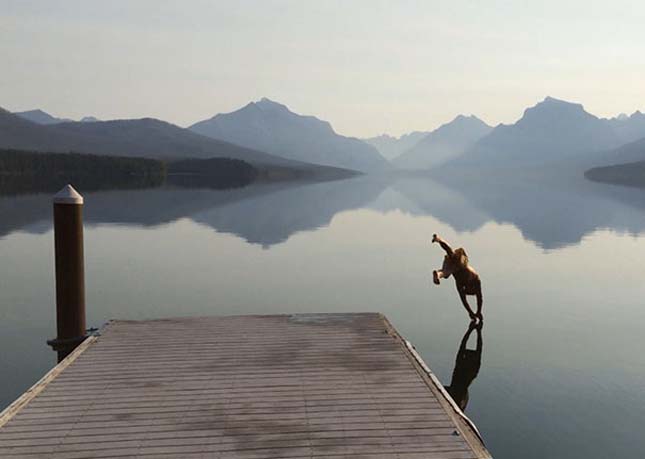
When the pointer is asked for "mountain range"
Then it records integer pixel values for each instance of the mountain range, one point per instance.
(443, 144)
(628, 128)
(147, 138)
(40, 117)
(391, 147)
(269, 126)
(268, 133)
(551, 131)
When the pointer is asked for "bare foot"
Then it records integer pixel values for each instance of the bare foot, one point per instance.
(434, 238)
(435, 277)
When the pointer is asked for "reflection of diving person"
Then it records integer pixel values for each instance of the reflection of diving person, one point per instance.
(467, 366)
(467, 280)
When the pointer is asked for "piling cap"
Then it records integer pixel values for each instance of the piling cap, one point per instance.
(68, 195)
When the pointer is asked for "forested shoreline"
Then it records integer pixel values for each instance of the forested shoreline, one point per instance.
(629, 174)
(31, 172)
(216, 173)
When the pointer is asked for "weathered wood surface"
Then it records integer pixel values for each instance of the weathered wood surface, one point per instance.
(302, 386)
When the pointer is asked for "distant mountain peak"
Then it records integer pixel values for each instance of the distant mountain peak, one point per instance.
(553, 102)
(392, 146)
(552, 109)
(550, 131)
(266, 103)
(629, 128)
(466, 119)
(37, 111)
(40, 117)
(386, 136)
(444, 143)
(270, 126)
(624, 117)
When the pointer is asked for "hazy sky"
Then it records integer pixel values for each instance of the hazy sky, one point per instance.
(367, 66)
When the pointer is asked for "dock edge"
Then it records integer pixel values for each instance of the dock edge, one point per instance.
(40, 385)
(466, 427)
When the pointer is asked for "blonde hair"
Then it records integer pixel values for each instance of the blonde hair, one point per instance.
(458, 260)
(461, 256)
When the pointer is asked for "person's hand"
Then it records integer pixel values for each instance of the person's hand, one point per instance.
(434, 238)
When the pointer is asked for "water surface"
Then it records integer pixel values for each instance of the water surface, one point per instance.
(561, 373)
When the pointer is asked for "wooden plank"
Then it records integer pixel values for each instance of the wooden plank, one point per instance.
(306, 385)
(10, 411)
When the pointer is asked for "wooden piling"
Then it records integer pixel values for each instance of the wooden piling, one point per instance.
(70, 271)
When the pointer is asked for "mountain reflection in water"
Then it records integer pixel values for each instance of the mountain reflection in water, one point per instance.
(550, 213)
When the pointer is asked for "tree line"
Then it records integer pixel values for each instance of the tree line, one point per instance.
(30, 171)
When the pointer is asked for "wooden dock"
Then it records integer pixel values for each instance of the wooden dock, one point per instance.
(287, 386)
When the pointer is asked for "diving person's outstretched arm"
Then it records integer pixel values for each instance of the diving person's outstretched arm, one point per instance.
(444, 245)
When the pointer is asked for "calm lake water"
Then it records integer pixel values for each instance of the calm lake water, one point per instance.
(562, 372)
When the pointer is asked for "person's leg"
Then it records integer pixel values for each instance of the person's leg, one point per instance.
(464, 301)
(480, 303)
(437, 275)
